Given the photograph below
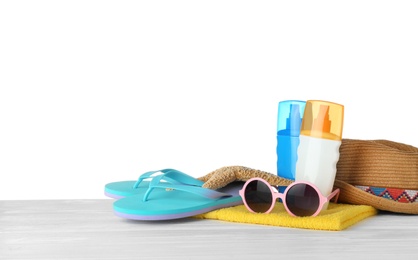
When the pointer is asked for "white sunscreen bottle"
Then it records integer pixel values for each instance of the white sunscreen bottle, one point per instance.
(319, 143)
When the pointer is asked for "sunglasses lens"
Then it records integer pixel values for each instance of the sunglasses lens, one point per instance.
(258, 196)
(302, 200)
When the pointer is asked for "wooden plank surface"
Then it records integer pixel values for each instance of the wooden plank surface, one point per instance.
(87, 229)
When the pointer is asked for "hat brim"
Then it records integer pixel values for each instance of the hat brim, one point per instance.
(352, 195)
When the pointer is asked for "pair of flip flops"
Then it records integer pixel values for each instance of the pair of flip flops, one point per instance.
(168, 194)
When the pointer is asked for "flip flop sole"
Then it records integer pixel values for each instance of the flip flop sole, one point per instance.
(188, 213)
(173, 204)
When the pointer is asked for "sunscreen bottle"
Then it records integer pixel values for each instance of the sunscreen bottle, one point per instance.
(289, 120)
(319, 143)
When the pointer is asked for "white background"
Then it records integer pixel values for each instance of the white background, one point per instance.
(98, 91)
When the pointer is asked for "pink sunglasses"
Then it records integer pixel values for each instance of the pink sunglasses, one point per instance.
(299, 199)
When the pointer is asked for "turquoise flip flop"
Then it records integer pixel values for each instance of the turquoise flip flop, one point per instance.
(163, 201)
(122, 189)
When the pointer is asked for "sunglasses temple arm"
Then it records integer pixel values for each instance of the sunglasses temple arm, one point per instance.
(334, 195)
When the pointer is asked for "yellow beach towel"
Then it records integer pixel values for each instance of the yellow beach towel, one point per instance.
(337, 217)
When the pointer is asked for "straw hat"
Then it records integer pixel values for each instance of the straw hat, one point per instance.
(379, 173)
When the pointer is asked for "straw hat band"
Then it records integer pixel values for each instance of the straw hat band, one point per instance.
(352, 195)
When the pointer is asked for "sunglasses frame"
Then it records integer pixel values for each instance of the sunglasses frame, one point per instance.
(277, 195)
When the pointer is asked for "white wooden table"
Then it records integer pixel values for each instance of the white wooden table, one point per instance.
(87, 229)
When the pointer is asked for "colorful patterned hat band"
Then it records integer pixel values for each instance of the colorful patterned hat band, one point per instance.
(379, 173)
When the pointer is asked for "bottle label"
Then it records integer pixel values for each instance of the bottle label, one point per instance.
(317, 162)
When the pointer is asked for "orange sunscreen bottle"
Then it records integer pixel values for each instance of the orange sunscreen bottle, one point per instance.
(319, 143)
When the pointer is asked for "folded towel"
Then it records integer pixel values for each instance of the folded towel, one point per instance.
(337, 217)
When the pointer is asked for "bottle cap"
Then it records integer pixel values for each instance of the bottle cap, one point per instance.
(290, 117)
(323, 119)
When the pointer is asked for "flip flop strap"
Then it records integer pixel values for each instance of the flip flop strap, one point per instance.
(171, 175)
(203, 192)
